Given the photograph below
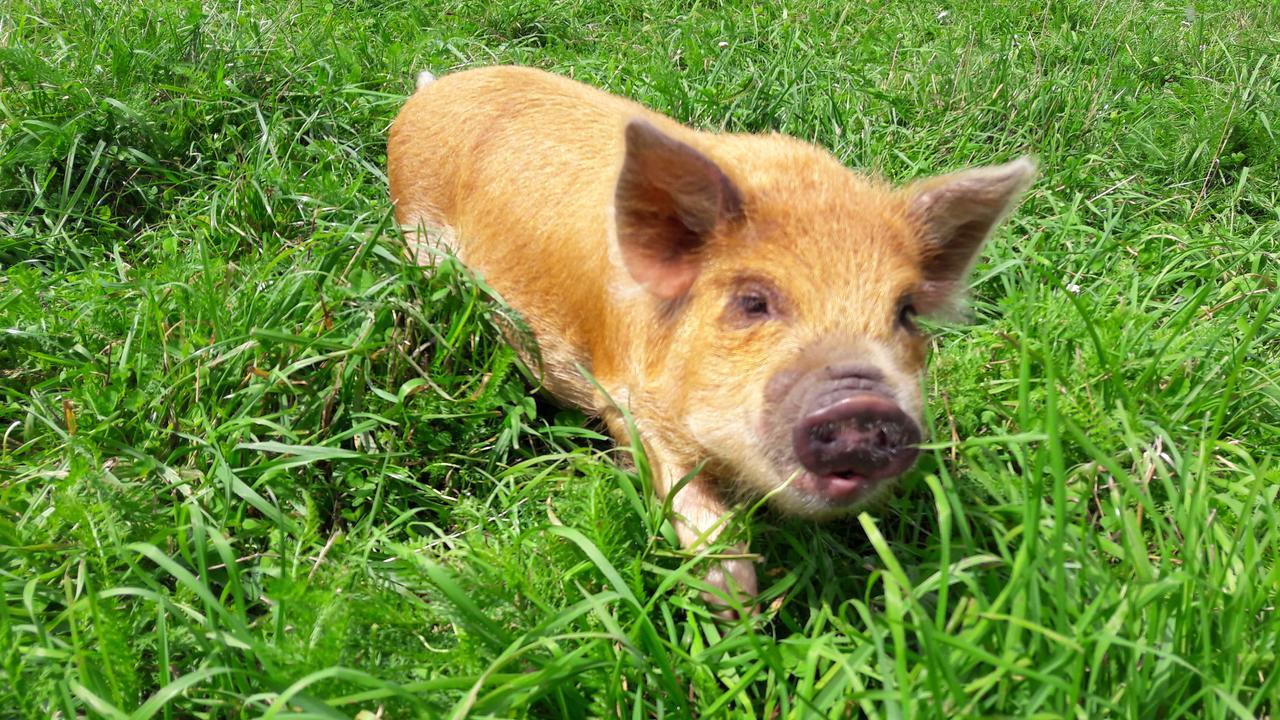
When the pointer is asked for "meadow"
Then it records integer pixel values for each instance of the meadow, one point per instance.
(253, 463)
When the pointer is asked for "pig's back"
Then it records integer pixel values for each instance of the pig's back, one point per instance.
(519, 167)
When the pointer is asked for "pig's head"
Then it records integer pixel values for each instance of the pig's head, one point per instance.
(784, 291)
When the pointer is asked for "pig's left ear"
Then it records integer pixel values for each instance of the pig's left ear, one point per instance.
(956, 214)
(669, 199)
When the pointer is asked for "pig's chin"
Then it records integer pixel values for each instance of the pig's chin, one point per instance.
(820, 494)
(839, 492)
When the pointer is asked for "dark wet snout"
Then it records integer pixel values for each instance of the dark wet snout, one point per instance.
(855, 431)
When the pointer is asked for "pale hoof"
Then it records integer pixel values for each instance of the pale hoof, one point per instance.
(734, 583)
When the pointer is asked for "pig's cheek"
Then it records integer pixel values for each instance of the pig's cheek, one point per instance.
(913, 399)
(729, 437)
(907, 389)
(903, 368)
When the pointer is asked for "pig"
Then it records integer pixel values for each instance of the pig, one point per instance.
(744, 301)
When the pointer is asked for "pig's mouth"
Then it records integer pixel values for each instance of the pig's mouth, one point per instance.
(851, 446)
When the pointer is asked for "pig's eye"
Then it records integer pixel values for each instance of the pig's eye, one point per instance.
(754, 306)
(907, 316)
(753, 300)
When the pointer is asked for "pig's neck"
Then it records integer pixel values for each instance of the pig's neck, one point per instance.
(636, 359)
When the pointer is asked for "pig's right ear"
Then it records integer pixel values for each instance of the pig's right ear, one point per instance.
(669, 199)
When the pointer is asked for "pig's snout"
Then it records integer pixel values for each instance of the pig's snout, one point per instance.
(848, 441)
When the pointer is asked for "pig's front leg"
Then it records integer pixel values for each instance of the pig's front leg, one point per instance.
(699, 516)
(698, 513)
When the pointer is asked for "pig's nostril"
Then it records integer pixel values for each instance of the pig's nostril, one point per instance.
(823, 434)
(882, 439)
(863, 435)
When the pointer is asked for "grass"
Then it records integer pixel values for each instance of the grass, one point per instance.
(254, 464)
